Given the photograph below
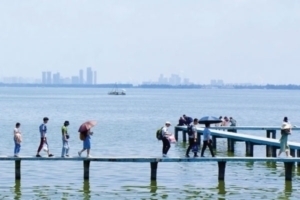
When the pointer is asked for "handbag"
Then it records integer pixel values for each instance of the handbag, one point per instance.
(67, 136)
(195, 148)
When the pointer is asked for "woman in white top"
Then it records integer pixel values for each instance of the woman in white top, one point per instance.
(17, 139)
(165, 140)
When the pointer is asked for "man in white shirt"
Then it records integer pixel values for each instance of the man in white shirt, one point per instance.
(192, 138)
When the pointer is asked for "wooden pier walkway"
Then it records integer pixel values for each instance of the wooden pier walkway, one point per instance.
(271, 143)
(289, 163)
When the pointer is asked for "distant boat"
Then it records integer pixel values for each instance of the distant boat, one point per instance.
(116, 91)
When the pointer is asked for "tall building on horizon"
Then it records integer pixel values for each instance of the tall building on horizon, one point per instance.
(95, 77)
(44, 77)
(89, 76)
(81, 80)
(49, 78)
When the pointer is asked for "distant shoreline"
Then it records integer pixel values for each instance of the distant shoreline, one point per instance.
(156, 86)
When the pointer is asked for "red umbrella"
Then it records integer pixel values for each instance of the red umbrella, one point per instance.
(87, 126)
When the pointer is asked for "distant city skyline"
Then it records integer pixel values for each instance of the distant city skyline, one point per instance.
(249, 41)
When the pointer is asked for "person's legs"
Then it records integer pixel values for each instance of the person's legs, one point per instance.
(63, 151)
(67, 149)
(203, 148)
(16, 147)
(166, 145)
(41, 146)
(211, 149)
(191, 143)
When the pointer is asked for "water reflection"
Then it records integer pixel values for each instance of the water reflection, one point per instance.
(86, 190)
(221, 187)
(17, 189)
(153, 186)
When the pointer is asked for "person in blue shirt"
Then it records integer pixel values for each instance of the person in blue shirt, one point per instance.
(43, 141)
(207, 141)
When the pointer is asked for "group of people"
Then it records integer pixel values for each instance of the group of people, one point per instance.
(207, 141)
(286, 130)
(44, 143)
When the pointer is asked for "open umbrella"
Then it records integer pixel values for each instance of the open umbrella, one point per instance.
(209, 120)
(87, 126)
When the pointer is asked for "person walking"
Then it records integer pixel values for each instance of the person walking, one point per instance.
(43, 141)
(207, 141)
(286, 130)
(86, 138)
(165, 140)
(65, 140)
(17, 139)
(192, 139)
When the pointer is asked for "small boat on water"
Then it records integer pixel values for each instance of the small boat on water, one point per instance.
(116, 91)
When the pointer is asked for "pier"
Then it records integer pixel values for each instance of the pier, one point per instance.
(272, 144)
(289, 163)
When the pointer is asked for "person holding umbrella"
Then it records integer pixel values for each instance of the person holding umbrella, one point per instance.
(207, 120)
(207, 141)
(85, 136)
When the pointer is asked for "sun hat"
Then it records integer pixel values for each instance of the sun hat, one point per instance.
(167, 122)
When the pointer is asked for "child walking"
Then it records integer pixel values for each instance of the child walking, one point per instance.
(17, 139)
(86, 138)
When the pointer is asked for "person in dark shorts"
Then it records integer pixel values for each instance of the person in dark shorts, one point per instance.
(43, 141)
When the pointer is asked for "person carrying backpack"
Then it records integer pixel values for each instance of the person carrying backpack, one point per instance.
(166, 143)
(192, 132)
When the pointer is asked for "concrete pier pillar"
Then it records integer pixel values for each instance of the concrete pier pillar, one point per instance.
(176, 133)
(298, 155)
(249, 149)
(184, 133)
(222, 166)
(288, 170)
(214, 142)
(17, 169)
(153, 174)
(230, 145)
(86, 169)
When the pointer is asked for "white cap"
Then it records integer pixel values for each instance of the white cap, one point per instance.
(167, 122)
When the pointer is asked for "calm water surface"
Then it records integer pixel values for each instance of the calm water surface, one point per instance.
(126, 127)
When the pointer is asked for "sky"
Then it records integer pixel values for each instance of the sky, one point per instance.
(238, 41)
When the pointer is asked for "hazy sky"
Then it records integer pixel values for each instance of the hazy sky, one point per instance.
(253, 41)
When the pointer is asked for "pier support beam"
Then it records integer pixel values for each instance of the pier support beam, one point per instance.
(292, 152)
(176, 133)
(184, 133)
(249, 149)
(153, 174)
(222, 166)
(86, 169)
(288, 170)
(270, 150)
(298, 155)
(230, 145)
(214, 142)
(18, 169)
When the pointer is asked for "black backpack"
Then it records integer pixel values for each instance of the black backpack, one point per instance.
(159, 133)
(190, 131)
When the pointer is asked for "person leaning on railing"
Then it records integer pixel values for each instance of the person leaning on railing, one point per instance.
(286, 130)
